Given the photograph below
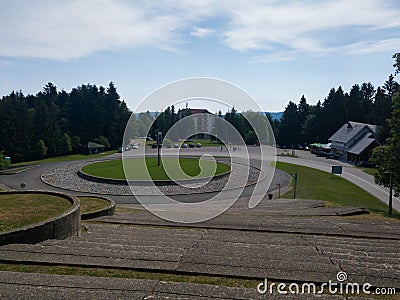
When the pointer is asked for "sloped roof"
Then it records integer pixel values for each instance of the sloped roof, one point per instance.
(349, 130)
(199, 111)
(95, 145)
(361, 145)
(374, 128)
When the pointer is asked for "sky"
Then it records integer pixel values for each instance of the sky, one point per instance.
(275, 50)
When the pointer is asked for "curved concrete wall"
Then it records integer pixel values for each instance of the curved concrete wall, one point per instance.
(58, 227)
(108, 211)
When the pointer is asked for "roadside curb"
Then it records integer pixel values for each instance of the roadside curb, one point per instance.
(108, 211)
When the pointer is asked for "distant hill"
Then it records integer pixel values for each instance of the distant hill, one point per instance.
(275, 115)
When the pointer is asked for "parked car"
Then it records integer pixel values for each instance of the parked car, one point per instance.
(332, 155)
(120, 150)
(191, 145)
(135, 146)
(184, 146)
(198, 145)
(320, 153)
(176, 146)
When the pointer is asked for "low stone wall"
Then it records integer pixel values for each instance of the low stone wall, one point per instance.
(58, 227)
(101, 179)
(108, 211)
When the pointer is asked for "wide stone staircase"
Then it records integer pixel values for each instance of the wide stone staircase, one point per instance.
(232, 253)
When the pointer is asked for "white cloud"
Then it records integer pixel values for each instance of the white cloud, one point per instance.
(281, 29)
(308, 25)
(72, 29)
(372, 47)
(201, 32)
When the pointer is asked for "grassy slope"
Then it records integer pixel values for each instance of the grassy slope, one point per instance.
(23, 209)
(316, 184)
(114, 169)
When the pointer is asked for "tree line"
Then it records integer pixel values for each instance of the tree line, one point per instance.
(53, 123)
(303, 123)
(166, 119)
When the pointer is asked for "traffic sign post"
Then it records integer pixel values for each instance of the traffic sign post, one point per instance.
(338, 170)
(159, 141)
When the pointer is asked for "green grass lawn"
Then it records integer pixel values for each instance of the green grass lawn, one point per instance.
(370, 171)
(205, 143)
(316, 184)
(91, 204)
(17, 210)
(13, 171)
(64, 158)
(135, 169)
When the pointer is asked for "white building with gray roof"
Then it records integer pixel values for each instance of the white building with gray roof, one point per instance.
(355, 141)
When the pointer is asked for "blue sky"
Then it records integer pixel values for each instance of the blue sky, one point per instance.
(275, 50)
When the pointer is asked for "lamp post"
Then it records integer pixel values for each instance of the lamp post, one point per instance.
(295, 185)
(159, 143)
(390, 192)
(279, 190)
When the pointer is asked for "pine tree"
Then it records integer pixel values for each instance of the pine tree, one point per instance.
(303, 112)
(289, 127)
(65, 146)
(354, 105)
(40, 150)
